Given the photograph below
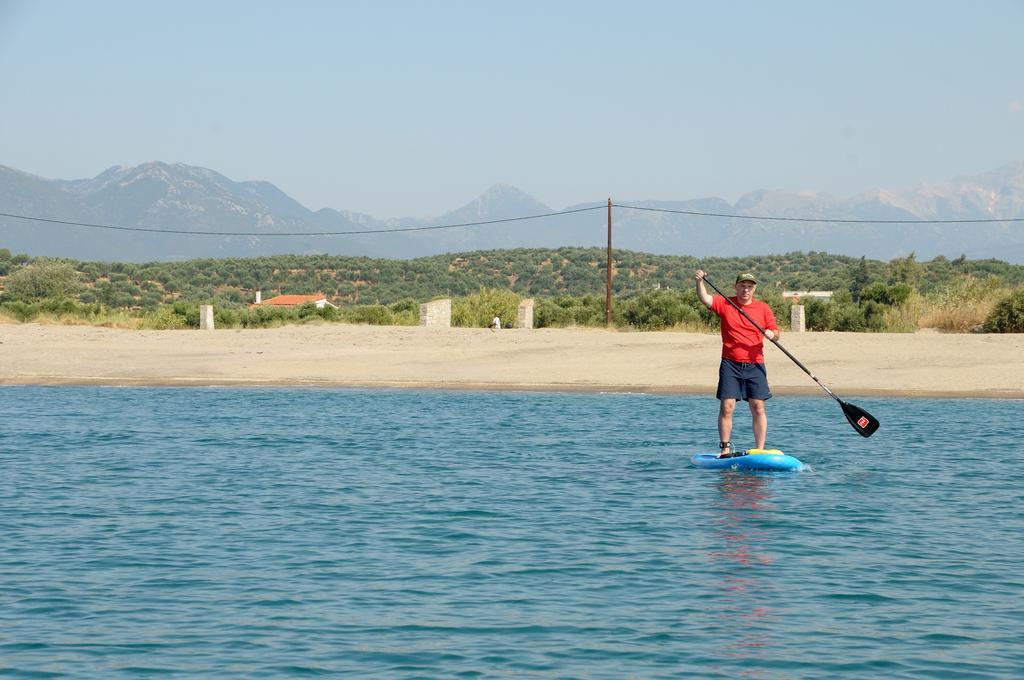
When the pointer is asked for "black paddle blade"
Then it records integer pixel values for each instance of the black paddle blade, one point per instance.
(862, 421)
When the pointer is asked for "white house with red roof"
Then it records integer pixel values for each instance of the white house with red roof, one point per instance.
(318, 299)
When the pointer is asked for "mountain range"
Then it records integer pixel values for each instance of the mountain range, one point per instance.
(160, 196)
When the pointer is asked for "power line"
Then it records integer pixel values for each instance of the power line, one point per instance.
(813, 219)
(297, 233)
(394, 230)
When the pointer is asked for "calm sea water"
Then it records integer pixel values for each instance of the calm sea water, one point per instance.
(400, 534)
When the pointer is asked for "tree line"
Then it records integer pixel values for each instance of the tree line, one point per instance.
(651, 291)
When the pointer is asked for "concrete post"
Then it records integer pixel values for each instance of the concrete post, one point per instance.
(206, 317)
(436, 313)
(797, 323)
(524, 315)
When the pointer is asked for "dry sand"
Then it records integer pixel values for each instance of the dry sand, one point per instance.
(920, 364)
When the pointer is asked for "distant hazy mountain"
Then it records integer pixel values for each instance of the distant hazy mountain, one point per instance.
(153, 196)
(163, 196)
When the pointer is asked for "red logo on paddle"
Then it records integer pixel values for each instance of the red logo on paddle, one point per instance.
(862, 421)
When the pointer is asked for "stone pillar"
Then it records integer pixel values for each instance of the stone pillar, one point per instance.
(436, 313)
(206, 317)
(796, 319)
(524, 315)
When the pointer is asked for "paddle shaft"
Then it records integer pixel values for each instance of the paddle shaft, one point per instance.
(774, 341)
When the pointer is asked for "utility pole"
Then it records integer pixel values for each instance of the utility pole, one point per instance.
(608, 277)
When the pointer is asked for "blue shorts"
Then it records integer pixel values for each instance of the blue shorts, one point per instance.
(737, 380)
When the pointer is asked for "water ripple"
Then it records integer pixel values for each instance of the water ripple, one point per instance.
(239, 533)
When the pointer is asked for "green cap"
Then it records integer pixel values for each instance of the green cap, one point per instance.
(746, 276)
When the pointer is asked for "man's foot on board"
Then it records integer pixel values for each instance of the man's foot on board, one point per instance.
(726, 449)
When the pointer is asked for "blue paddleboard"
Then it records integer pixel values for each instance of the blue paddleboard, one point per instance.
(754, 459)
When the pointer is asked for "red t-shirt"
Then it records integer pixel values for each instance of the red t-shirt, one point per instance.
(740, 340)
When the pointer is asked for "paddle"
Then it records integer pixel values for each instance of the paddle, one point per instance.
(861, 420)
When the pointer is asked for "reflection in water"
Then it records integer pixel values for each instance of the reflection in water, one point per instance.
(744, 502)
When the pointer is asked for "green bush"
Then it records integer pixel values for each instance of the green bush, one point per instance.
(22, 311)
(660, 309)
(565, 310)
(873, 317)
(307, 311)
(549, 313)
(817, 314)
(42, 278)
(189, 311)
(225, 317)
(590, 311)
(60, 306)
(1008, 315)
(899, 293)
(264, 316)
(406, 305)
(328, 313)
(478, 309)
(841, 313)
(896, 294)
(163, 318)
(406, 312)
(374, 315)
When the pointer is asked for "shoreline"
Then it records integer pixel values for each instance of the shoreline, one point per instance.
(441, 386)
(919, 365)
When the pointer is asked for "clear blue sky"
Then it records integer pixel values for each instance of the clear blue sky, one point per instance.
(413, 108)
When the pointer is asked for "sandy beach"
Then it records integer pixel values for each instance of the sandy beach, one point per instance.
(921, 364)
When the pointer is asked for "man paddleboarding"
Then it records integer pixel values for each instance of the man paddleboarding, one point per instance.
(741, 374)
